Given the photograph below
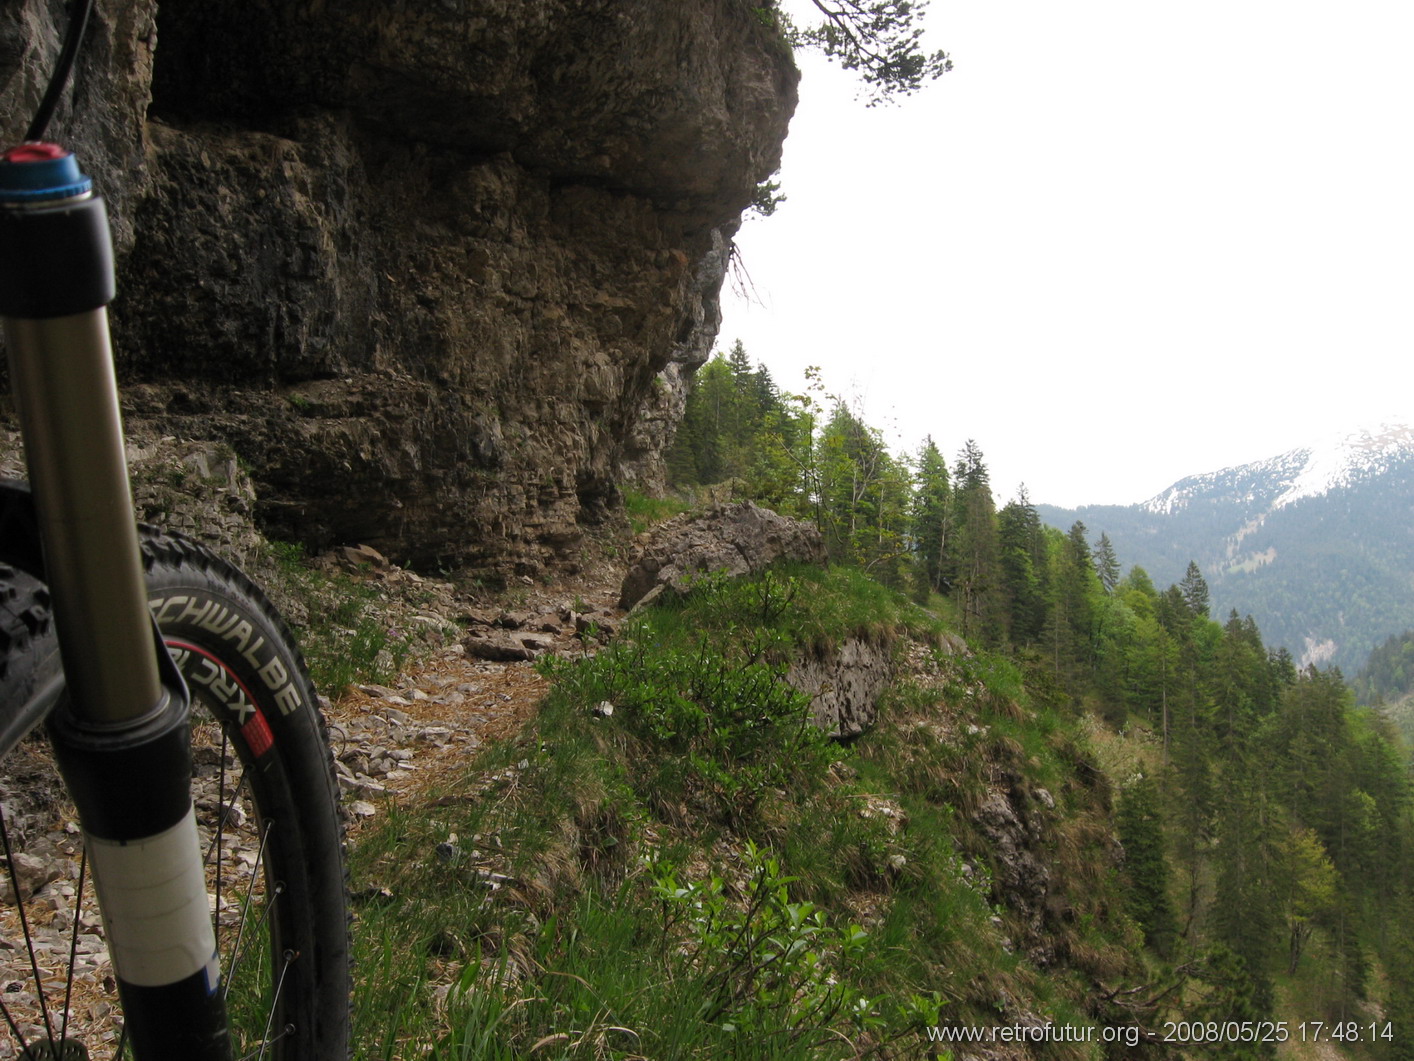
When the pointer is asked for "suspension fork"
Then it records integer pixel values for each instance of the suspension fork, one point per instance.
(121, 733)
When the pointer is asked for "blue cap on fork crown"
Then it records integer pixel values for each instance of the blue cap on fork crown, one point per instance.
(56, 253)
(37, 172)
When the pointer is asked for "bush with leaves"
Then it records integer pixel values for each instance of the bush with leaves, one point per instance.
(764, 965)
(710, 694)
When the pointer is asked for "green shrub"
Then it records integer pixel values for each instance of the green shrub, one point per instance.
(720, 716)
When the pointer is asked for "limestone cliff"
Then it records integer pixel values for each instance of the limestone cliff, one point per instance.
(435, 270)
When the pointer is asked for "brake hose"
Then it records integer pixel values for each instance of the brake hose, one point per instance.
(78, 22)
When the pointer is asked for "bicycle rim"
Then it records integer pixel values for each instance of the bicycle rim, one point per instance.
(274, 875)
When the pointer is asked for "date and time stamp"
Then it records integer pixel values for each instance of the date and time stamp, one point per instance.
(1267, 1031)
(1178, 1033)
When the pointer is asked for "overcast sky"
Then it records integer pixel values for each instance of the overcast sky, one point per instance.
(1118, 244)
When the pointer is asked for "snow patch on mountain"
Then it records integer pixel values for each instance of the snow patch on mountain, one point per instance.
(1340, 459)
(1349, 458)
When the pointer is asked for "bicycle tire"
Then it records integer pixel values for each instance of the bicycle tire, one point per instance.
(254, 711)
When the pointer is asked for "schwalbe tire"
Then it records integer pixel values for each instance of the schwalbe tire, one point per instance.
(220, 626)
(295, 776)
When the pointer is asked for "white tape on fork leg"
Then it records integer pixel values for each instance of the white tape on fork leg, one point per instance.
(152, 894)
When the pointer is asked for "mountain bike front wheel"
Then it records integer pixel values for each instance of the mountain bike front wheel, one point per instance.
(266, 805)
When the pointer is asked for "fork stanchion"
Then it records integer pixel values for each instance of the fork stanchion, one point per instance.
(121, 736)
(56, 280)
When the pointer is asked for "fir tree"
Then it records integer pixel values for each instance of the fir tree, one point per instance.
(974, 554)
(1145, 868)
(1195, 591)
(932, 516)
(1106, 563)
(1022, 542)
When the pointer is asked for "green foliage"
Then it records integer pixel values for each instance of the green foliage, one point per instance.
(932, 517)
(972, 558)
(881, 40)
(732, 729)
(767, 198)
(1146, 869)
(644, 512)
(649, 906)
(1334, 567)
(347, 637)
(1273, 824)
(702, 687)
(768, 969)
(865, 497)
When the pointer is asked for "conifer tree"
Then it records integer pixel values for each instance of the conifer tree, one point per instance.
(1145, 868)
(1233, 994)
(1195, 591)
(1245, 915)
(879, 39)
(974, 558)
(1106, 563)
(1023, 568)
(1399, 1007)
(1070, 628)
(932, 517)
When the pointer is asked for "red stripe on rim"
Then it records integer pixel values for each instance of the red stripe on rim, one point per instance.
(256, 731)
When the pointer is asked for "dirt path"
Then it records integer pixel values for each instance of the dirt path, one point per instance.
(402, 740)
(392, 741)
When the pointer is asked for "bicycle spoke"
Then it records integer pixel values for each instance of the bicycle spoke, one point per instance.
(74, 944)
(24, 927)
(236, 952)
(265, 1039)
(222, 817)
(14, 1028)
(15, 890)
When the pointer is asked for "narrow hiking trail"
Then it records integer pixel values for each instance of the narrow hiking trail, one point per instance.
(397, 741)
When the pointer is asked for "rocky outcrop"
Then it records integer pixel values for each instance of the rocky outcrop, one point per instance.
(844, 683)
(735, 539)
(435, 271)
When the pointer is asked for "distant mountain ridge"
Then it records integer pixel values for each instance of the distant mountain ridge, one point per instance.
(1315, 543)
(1337, 461)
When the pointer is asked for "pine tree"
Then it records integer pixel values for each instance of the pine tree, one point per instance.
(1106, 563)
(1195, 591)
(932, 517)
(1245, 916)
(1145, 868)
(1399, 1007)
(1234, 994)
(879, 39)
(1070, 629)
(1023, 568)
(974, 556)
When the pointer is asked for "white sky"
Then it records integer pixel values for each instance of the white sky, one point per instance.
(1122, 242)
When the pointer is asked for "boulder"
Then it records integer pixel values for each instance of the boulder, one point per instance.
(737, 539)
(844, 684)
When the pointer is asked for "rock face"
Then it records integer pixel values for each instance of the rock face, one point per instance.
(845, 684)
(844, 681)
(737, 539)
(435, 271)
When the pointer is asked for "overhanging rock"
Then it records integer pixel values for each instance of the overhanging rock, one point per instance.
(738, 539)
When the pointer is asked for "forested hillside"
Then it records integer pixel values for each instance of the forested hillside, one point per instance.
(1314, 542)
(1386, 682)
(1266, 819)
